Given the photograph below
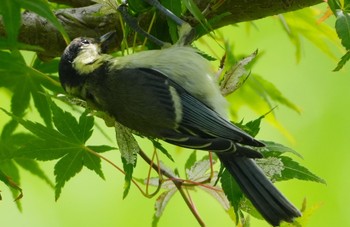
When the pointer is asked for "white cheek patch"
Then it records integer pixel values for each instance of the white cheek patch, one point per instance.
(88, 60)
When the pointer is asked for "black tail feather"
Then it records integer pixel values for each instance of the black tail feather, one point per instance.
(266, 198)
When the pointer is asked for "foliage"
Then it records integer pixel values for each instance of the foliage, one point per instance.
(341, 10)
(58, 135)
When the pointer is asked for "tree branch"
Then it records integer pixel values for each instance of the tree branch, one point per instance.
(74, 3)
(91, 21)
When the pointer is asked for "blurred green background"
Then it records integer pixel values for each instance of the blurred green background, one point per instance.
(321, 135)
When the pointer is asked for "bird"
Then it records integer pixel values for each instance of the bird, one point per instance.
(170, 94)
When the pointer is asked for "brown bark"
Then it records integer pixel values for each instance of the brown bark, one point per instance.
(84, 21)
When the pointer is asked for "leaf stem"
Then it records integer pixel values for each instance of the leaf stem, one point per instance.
(119, 169)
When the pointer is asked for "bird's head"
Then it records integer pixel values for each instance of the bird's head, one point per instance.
(81, 58)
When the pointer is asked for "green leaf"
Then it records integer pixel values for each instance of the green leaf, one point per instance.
(197, 13)
(176, 8)
(46, 149)
(251, 127)
(159, 146)
(12, 63)
(293, 170)
(191, 160)
(334, 5)
(66, 168)
(345, 58)
(11, 17)
(128, 169)
(8, 129)
(66, 123)
(21, 97)
(127, 144)
(67, 144)
(200, 31)
(138, 6)
(101, 149)
(86, 124)
(93, 163)
(273, 149)
(23, 81)
(41, 102)
(342, 26)
(232, 191)
(129, 149)
(49, 67)
(39, 130)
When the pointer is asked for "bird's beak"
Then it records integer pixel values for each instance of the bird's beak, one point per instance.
(108, 41)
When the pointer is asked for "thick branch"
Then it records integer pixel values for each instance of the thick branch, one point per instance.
(91, 21)
(254, 9)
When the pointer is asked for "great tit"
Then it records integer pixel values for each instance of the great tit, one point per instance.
(170, 94)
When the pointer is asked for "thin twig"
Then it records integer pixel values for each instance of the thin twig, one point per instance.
(177, 182)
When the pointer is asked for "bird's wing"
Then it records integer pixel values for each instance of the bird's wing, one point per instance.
(136, 98)
(161, 108)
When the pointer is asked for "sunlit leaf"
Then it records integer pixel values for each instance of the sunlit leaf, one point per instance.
(273, 149)
(293, 170)
(163, 200)
(127, 144)
(235, 76)
(303, 23)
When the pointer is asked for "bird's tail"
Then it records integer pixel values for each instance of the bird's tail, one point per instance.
(266, 198)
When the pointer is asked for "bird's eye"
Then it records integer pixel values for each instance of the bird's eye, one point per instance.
(85, 42)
